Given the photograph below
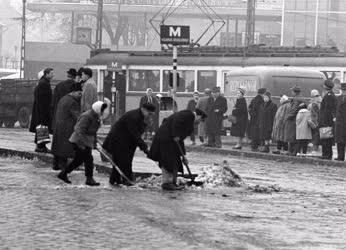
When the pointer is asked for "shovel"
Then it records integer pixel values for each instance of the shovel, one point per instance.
(192, 182)
(106, 155)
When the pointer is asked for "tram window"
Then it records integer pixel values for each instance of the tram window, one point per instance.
(206, 79)
(140, 80)
(186, 80)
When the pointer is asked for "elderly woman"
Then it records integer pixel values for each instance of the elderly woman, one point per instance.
(314, 108)
(239, 118)
(278, 133)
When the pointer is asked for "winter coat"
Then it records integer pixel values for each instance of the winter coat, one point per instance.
(60, 90)
(314, 108)
(266, 119)
(328, 110)
(340, 124)
(303, 130)
(240, 113)
(290, 125)
(203, 103)
(215, 110)
(89, 95)
(41, 109)
(164, 149)
(125, 136)
(154, 122)
(67, 113)
(254, 110)
(278, 133)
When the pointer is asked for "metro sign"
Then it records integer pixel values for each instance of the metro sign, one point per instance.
(175, 35)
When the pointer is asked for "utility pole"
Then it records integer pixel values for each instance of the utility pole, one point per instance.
(22, 45)
(99, 25)
(250, 23)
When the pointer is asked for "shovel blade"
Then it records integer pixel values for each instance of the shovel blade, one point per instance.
(195, 183)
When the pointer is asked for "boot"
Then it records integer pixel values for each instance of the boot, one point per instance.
(171, 187)
(91, 182)
(63, 176)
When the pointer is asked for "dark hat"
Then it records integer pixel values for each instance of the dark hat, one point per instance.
(216, 90)
(267, 93)
(72, 72)
(79, 72)
(149, 106)
(343, 86)
(296, 89)
(261, 91)
(328, 84)
(201, 113)
(88, 72)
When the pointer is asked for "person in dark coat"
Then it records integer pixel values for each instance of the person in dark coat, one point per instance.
(154, 119)
(67, 113)
(164, 148)
(202, 105)
(216, 108)
(327, 116)
(41, 109)
(290, 124)
(62, 89)
(191, 105)
(84, 140)
(254, 109)
(123, 139)
(266, 120)
(240, 115)
(340, 124)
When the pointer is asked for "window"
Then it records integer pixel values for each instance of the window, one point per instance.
(186, 80)
(140, 80)
(206, 79)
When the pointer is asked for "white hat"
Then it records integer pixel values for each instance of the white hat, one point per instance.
(315, 93)
(284, 98)
(40, 74)
(159, 95)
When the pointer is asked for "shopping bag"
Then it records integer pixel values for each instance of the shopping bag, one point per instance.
(42, 134)
(326, 132)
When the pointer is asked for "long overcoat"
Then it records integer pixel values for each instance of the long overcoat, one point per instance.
(41, 109)
(164, 149)
(215, 111)
(254, 110)
(290, 125)
(67, 113)
(328, 110)
(125, 136)
(155, 118)
(279, 122)
(340, 124)
(303, 131)
(266, 119)
(314, 108)
(240, 113)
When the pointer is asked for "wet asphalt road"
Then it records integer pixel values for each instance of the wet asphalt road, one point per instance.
(38, 211)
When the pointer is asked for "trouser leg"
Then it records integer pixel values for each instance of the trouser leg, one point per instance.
(304, 146)
(279, 145)
(77, 160)
(88, 162)
(193, 137)
(255, 143)
(327, 148)
(218, 142)
(211, 140)
(341, 150)
(285, 146)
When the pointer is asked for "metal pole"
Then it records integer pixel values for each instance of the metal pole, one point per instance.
(175, 66)
(113, 90)
(22, 47)
(316, 21)
(282, 23)
(99, 24)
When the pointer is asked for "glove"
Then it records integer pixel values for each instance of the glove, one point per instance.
(176, 139)
(184, 160)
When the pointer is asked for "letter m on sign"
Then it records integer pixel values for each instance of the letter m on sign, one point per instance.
(175, 31)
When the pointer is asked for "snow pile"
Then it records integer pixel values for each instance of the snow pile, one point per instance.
(219, 175)
(155, 181)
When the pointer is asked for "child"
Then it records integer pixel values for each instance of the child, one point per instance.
(303, 130)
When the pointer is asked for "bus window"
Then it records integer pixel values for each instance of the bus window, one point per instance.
(206, 79)
(140, 80)
(186, 80)
(232, 83)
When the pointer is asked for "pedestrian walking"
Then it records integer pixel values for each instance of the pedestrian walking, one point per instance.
(202, 105)
(62, 89)
(278, 134)
(303, 129)
(89, 90)
(327, 116)
(254, 112)
(84, 140)
(67, 113)
(340, 124)
(153, 121)
(165, 150)
(239, 118)
(41, 110)
(266, 120)
(216, 108)
(191, 105)
(314, 108)
(124, 137)
(290, 125)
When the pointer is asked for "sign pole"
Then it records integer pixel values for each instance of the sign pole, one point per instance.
(175, 66)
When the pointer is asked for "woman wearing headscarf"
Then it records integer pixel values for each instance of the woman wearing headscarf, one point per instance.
(278, 134)
(314, 108)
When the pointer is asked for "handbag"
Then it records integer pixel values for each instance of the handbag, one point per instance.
(312, 125)
(326, 132)
(42, 134)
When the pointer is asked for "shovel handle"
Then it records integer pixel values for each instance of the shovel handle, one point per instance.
(186, 165)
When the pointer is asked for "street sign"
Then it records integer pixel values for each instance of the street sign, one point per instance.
(175, 35)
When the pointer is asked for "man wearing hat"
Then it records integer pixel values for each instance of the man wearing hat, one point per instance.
(202, 105)
(154, 122)
(327, 115)
(216, 107)
(340, 124)
(165, 149)
(191, 105)
(254, 111)
(124, 137)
